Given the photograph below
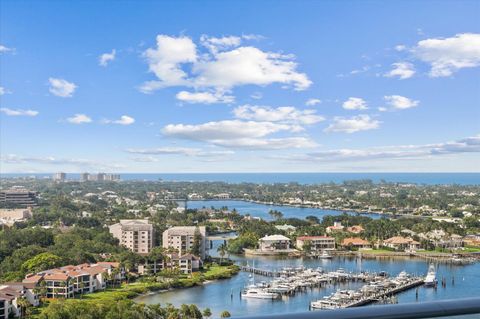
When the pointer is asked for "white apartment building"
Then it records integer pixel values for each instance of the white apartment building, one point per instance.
(135, 234)
(181, 238)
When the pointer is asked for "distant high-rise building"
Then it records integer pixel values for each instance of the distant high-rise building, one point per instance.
(100, 177)
(112, 177)
(59, 177)
(84, 177)
(135, 234)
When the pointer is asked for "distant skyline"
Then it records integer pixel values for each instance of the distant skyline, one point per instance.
(246, 86)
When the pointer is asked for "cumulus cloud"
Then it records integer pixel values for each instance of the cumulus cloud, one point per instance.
(236, 133)
(400, 102)
(165, 62)
(79, 119)
(400, 47)
(312, 102)
(204, 97)
(355, 103)
(175, 61)
(106, 58)
(124, 120)
(61, 87)
(402, 70)
(354, 124)
(448, 55)
(284, 114)
(18, 112)
(220, 44)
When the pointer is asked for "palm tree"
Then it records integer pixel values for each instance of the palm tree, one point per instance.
(222, 250)
(23, 303)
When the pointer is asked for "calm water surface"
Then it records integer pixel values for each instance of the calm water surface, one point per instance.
(224, 294)
(261, 210)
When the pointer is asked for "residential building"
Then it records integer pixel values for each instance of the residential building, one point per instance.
(274, 243)
(337, 226)
(135, 234)
(65, 281)
(18, 196)
(182, 239)
(356, 242)
(100, 177)
(9, 297)
(59, 177)
(401, 243)
(317, 243)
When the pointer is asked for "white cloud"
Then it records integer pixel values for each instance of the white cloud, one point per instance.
(242, 134)
(312, 102)
(18, 112)
(61, 87)
(284, 114)
(400, 47)
(354, 124)
(52, 160)
(400, 102)
(79, 119)
(187, 151)
(382, 109)
(355, 103)
(4, 49)
(124, 120)
(176, 62)
(166, 59)
(204, 97)
(220, 44)
(465, 145)
(249, 65)
(448, 55)
(403, 70)
(105, 58)
(4, 91)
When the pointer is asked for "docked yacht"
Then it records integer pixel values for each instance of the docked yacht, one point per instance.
(325, 255)
(259, 293)
(431, 279)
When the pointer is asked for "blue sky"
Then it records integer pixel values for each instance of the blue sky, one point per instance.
(240, 86)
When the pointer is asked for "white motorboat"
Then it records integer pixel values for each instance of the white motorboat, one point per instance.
(431, 279)
(259, 293)
(325, 255)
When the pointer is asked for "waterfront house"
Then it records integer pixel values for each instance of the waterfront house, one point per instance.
(317, 243)
(356, 242)
(274, 243)
(401, 243)
(472, 240)
(337, 226)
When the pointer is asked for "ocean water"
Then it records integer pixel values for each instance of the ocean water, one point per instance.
(302, 178)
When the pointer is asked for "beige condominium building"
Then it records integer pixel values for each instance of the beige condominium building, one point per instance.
(135, 234)
(181, 238)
